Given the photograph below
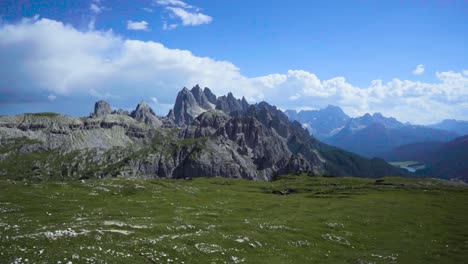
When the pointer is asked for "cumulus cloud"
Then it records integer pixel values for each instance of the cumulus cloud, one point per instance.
(135, 25)
(190, 18)
(419, 70)
(46, 57)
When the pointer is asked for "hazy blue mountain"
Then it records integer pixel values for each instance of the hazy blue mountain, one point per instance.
(368, 135)
(420, 151)
(457, 126)
(322, 123)
(377, 138)
(443, 159)
(451, 160)
(366, 120)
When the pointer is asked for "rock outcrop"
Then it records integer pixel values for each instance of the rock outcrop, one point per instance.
(187, 107)
(191, 103)
(144, 113)
(120, 112)
(206, 124)
(229, 104)
(101, 108)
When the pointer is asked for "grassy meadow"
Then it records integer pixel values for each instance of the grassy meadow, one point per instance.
(296, 219)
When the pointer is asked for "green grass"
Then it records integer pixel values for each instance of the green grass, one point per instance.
(45, 114)
(218, 220)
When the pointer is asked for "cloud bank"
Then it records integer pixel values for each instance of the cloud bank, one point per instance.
(44, 57)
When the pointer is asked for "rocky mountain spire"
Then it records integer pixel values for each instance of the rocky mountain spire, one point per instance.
(144, 113)
(209, 95)
(229, 104)
(202, 98)
(191, 103)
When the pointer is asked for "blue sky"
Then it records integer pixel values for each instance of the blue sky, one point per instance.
(360, 55)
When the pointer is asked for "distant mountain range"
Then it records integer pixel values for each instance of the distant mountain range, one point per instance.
(322, 123)
(456, 126)
(371, 135)
(202, 136)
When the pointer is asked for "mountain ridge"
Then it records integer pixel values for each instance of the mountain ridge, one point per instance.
(442, 159)
(369, 135)
(196, 139)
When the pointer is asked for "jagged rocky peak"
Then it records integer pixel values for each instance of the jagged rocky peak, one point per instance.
(191, 103)
(101, 108)
(210, 95)
(145, 113)
(229, 104)
(205, 98)
(186, 107)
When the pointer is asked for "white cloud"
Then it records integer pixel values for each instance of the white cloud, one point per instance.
(189, 15)
(95, 8)
(190, 18)
(47, 57)
(51, 97)
(134, 25)
(419, 70)
(173, 3)
(154, 100)
(465, 72)
(294, 97)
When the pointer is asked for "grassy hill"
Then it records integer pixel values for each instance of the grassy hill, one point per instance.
(218, 220)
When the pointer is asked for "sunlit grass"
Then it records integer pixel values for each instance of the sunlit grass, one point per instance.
(218, 220)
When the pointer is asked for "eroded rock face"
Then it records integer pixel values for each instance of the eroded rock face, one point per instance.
(206, 124)
(145, 113)
(191, 103)
(204, 98)
(68, 134)
(101, 108)
(229, 104)
(120, 112)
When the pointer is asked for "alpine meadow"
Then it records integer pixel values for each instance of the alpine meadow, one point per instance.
(170, 131)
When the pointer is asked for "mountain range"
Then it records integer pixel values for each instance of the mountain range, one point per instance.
(322, 123)
(371, 135)
(456, 126)
(202, 136)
